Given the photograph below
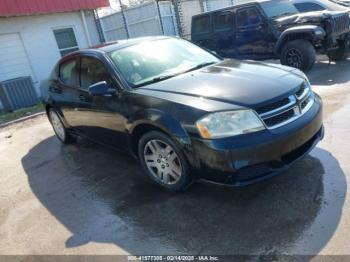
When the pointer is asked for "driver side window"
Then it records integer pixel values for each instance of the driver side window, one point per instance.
(93, 71)
(248, 17)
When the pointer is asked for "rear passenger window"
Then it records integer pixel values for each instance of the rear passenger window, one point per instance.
(201, 24)
(248, 17)
(69, 74)
(223, 20)
(308, 7)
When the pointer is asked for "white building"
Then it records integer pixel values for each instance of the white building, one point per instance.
(36, 33)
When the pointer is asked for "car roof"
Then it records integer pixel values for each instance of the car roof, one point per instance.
(115, 45)
(248, 2)
(129, 42)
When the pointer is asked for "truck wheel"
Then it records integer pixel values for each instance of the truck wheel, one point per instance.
(339, 54)
(299, 54)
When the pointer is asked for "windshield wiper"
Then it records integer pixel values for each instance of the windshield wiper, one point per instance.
(199, 66)
(156, 79)
(161, 78)
(164, 77)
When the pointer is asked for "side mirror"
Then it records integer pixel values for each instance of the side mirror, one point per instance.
(101, 89)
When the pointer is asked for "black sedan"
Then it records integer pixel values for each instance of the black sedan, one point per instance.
(185, 113)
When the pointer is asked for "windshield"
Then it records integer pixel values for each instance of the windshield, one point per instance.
(282, 8)
(157, 60)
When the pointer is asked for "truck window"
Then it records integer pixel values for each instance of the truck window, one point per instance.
(201, 24)
(248, 17)
(223, 20)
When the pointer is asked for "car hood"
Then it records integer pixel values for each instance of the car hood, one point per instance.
(247, 84)
(308, 17)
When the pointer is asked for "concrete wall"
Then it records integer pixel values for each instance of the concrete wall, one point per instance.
(39, 42)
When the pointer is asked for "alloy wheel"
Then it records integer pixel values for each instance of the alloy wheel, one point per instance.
(294, 58)
(162, 161)
(57, 125)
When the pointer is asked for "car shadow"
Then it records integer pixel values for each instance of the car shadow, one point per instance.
(100, 195)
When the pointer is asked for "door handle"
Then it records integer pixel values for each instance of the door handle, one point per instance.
(56, 89)
(82, 98)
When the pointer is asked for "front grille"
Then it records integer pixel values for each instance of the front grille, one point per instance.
(301, 91)
(304, 103)
(273, 106)
(340, 24)
(287, 109)
(276, 120)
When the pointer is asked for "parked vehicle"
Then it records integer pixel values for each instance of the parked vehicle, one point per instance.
(184, 112)
(305, 6)
(342, 2)
(273, 29)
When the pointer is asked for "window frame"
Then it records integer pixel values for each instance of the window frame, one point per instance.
(113, 72)
(245, 8)
(77, 59)
(60, 50)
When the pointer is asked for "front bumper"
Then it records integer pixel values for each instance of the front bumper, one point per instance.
(249, 158)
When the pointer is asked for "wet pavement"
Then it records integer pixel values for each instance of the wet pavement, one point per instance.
(87, 199)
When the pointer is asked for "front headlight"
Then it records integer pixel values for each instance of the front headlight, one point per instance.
(226, 124)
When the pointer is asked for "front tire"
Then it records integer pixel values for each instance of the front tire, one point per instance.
(342, 53)
(58, 127)
(299, 54)
(164, 162)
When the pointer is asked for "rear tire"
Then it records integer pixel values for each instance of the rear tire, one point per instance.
(342, 53)
(58, 127)
(299, 54)
(164, 162)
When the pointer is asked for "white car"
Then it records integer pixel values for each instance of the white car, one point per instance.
(304, 6)
(342, 2)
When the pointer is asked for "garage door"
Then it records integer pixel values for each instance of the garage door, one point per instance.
(13, 58)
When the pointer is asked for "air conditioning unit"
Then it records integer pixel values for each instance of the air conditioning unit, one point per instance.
(17, 93)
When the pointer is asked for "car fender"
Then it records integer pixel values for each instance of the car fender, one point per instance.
(50, 103)
(315, 32)
(161, 120)
(167, 124)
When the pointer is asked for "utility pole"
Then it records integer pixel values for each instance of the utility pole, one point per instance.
(124, 19)
(160, 18)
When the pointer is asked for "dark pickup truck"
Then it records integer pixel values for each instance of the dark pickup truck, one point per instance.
(273, 29)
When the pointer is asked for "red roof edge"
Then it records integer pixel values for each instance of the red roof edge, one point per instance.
(37, 7)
